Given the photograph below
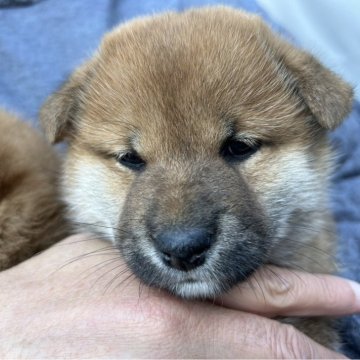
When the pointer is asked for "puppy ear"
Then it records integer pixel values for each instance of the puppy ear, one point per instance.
(328, 97)
(59, 114)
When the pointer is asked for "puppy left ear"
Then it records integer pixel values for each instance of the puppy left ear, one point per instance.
(328, 97)
(59, 114)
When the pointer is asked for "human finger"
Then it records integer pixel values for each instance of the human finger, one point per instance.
(274, 291)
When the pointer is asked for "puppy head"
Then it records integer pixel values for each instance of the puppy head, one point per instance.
(196, 145)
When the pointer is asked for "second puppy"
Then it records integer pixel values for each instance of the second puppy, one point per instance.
(31, 211)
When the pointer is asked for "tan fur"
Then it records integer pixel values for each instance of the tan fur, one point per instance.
(174, 87)
(31, 213)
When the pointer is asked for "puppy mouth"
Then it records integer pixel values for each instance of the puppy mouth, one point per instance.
(205, 282)
(218, 274)
(203, 260)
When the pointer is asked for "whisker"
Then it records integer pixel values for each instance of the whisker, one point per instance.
(116, 276)
(121, 266)
(108, 250)
(101, 226)
(98, 267)
(123, 281)
(259, 286)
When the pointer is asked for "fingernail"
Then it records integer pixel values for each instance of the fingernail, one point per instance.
(356, 288)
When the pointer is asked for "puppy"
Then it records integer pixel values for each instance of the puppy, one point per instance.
(31, 212)
(197, 146)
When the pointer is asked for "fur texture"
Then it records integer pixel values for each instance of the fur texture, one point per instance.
(31, 212)
(175, 90)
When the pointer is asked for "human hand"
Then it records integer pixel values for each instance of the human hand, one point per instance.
(91, 308)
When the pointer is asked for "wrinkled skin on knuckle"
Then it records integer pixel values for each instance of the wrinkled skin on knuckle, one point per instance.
(279, 294)
(288, 343)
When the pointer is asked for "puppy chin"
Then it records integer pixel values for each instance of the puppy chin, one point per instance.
(194, 285)
(195, 289)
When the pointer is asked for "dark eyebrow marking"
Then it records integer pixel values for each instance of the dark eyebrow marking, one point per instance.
(133, 141)
(230, 129)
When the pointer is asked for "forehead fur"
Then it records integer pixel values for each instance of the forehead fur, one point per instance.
(180, 74)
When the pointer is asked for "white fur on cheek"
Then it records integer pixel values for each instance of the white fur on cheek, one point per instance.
(301, 183)
(92, 203)
(292, 185)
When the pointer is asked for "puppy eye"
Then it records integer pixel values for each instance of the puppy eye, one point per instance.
(132, 161)
(235, 150)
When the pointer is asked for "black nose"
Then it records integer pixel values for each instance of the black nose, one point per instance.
(184, 249)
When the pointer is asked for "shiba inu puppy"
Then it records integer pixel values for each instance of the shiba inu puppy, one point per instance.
(197, 146)
(31, 213)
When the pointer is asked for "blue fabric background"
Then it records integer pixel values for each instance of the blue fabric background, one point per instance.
(41, 44)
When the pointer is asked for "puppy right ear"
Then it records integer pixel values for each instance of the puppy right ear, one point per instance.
(326, 95)
(59, 114)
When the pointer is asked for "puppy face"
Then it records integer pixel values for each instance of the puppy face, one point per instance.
(196, 145)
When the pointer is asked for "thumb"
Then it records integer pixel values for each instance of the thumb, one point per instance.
(274, 291)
